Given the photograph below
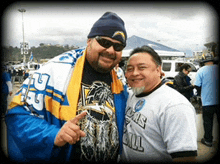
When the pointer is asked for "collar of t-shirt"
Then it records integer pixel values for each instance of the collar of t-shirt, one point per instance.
(147, 93)
(90, 75)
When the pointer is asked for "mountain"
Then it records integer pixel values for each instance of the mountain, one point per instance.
(135, 41)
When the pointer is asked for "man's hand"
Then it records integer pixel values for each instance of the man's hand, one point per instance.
(70, 132)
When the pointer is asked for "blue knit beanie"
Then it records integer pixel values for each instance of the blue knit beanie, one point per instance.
(110, 25)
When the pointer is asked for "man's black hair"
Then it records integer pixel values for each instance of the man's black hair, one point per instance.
(184, 66)
(149, 50)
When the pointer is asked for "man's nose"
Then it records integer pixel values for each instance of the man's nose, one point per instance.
(135, 72)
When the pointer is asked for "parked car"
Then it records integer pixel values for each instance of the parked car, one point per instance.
(171, 69)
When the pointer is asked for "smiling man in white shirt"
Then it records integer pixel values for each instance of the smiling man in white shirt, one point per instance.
(160, 123)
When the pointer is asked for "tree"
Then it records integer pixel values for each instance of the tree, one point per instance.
(41, 44)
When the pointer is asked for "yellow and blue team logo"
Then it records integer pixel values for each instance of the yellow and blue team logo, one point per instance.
(119, 33)
(140, 104)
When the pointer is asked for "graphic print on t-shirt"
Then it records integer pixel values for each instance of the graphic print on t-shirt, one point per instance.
(134, 117)
(101, 141)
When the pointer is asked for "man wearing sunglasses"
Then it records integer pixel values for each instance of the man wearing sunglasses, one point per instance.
(72, 108)
(104, 53)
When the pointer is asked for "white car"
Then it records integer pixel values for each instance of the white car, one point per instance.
(171, 69)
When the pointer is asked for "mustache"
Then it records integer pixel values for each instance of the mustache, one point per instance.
(108, 55)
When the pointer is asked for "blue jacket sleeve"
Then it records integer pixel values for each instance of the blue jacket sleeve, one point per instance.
(30, 138)
(120, 103)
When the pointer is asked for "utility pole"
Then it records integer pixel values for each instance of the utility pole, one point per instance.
(24, 45)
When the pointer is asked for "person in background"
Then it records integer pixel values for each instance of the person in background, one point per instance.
(207, 81)
(20, 75)
(160, 123)
(5, 90)
(182, 81)
(26, 73)
(13, 75)
(72, 108)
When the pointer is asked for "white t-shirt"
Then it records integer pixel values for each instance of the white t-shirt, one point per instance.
(159, 126)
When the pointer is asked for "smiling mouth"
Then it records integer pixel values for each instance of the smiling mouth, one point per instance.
(136, 80)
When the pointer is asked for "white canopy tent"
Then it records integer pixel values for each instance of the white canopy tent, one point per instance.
(164, 52)
(126, 53)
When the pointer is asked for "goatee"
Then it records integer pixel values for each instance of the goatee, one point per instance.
(137, 90)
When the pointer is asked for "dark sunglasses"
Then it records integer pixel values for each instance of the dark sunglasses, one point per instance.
(107, 43)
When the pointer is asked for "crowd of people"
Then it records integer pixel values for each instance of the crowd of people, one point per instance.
(9, 76)
(81, 107)
(17, 74)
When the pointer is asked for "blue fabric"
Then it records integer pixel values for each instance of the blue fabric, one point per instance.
(188, 79)
(29, 136)
(5, 78)
(120, 101)
(32, 130)
(208, 79)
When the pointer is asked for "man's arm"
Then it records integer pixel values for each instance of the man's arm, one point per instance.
(198, 90)
(31, 136)
(179, 132)
(35, 138)
(198, 83)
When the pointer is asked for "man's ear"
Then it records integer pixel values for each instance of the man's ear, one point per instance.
(159, 70)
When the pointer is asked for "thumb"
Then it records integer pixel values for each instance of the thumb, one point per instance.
(78, 117)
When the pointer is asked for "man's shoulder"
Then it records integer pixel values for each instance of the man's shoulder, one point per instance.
(172, 96)
(164, 89)
(69, 57)
(204, 68)
(173, 103)
(178, 76)
(60, 66)
(5, 76)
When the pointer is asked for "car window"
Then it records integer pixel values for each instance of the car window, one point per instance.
(166, 66)
(177, 66)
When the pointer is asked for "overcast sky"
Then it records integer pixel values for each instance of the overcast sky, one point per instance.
(183, 26)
